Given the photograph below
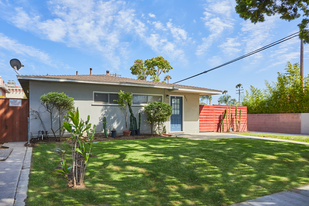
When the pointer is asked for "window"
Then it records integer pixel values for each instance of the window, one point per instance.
(145, 99)
(105, 98)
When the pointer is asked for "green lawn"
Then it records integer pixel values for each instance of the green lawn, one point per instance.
(172, 171)
(277, 136)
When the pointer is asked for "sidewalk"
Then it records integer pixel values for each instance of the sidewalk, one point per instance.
(297, 197)
(14, 175)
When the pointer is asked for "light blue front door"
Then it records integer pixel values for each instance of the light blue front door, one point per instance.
(176, 118)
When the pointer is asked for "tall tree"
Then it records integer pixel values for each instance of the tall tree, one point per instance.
(153, 67)
(256, 10)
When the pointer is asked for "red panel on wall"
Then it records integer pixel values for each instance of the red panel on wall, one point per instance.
(211, 115)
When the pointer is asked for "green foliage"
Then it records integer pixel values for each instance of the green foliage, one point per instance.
(104, 126)
(157, 113)
(153, 67)
(205, 97)
(287, 95)
(60, 102)
(124, 100)
(257, 10)
(81, 146)
(64, 171)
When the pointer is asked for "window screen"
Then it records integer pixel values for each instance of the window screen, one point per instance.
(139, 99)
(144, 99)
(113, 97)
(154, 99)
(100, 98)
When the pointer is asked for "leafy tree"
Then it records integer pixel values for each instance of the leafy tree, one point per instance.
(287, 95)
(124, 100)
(256, 10)
(157, 113)
(60, 102)
(153, 67)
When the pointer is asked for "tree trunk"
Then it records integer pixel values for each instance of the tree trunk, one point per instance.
(51, 124)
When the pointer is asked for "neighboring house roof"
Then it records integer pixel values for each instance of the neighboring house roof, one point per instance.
(112, 80)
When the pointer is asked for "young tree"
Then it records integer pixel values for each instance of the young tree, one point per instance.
(256, 10)
(124, 100)
(60, 102)
(153, 67)
(157, 113)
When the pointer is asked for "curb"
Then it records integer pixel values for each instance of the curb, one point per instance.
(22, 185)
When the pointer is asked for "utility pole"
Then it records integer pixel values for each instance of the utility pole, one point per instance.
(302, 60)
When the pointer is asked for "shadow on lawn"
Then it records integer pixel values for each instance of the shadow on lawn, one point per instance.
(176, 171)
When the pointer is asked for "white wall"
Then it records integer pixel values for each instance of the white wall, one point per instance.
(304, 123)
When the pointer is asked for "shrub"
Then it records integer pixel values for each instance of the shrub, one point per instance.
(157, 113)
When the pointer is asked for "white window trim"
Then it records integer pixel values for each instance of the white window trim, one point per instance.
(145, 104)
(103, 104)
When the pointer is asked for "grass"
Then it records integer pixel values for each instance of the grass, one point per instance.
(172, 171)
(277, 136)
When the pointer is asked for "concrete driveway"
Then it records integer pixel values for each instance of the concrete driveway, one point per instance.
(14, 175)
(216, 135)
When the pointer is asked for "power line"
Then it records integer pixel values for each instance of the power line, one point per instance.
(246, 55)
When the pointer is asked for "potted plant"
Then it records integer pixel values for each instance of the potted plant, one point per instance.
(113, 132)
(124, 99)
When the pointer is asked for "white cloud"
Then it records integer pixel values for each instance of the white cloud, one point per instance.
(257, 35)
(231, 46)
(158, 25)
(152, 15)
(215, 61)
(178, 34)
(21, 49)
(217, 19)
(105, 27)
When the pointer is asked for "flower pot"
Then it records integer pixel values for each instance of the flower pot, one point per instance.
(114, 133)
(137, 132)
(126, 133)
(132, 132)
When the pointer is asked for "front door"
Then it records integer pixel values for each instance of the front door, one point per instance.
(176, 118)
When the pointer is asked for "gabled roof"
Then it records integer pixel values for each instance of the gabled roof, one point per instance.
(112, 80)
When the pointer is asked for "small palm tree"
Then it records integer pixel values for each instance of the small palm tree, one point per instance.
(224, 99)
(167, 78)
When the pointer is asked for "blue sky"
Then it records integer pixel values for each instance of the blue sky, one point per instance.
(64, 36)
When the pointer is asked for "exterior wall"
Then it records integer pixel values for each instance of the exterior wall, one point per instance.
(83, 99)
(211, 115)
(2, 93)
(279, 123)
(304, 123)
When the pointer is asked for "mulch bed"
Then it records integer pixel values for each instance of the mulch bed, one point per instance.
(97, 138)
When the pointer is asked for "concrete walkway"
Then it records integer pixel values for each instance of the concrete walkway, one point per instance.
(296, 197)
(215, 135)
(14, 175)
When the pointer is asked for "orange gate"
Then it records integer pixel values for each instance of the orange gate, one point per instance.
(211, 115)
(14, 115)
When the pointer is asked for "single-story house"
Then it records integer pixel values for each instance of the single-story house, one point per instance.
(94, 95)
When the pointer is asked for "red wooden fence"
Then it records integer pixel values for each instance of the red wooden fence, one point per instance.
(211, 115)
(13, 121)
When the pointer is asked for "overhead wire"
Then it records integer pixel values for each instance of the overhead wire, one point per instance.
(245, 55)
